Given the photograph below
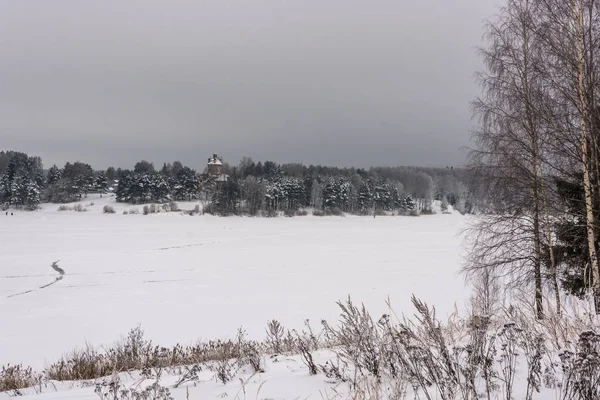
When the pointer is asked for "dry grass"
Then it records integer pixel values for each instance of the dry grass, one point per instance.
(463, 357)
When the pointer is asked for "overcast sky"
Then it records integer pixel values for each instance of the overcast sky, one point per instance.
(336, 82)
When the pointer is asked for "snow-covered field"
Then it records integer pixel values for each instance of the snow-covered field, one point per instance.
(183, 278)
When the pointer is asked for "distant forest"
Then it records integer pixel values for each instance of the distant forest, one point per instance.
(249, 188)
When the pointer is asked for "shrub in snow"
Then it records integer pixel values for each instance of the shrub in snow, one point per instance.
(146, 210)
(64, 208)
(15, 377)
(79, 208)
(306, 343)
(108, 209)
(113, 389)
(173, 206)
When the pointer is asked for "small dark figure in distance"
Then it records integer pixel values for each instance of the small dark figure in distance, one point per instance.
(12, 214)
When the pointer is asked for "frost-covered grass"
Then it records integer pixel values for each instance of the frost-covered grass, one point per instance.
(507, 355)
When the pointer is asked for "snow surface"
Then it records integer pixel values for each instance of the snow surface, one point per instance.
(183, 278)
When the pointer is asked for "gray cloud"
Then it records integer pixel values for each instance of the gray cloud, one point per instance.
(339, 82)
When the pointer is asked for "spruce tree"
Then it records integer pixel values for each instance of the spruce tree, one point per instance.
(54, 175)
(101, 184)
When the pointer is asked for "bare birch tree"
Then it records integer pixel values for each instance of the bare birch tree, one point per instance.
(509, 152)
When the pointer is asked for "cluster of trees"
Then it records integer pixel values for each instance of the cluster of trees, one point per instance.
(21, 179)
(284, 193)
(25, 183)
(264, 187)
(537, 153)
(144, 184)
(250, 188)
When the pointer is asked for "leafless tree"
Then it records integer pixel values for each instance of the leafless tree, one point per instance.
(509, 153)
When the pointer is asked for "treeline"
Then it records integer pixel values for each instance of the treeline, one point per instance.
(248, 188)
(266, 187)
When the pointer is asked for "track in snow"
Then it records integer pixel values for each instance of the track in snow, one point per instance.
(57, 279)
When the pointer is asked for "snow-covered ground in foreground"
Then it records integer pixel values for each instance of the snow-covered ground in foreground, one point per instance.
(286, 377)
(183, 278)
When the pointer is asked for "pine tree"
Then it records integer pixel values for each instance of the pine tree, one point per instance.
(5, 183)
(383, 197)
(186, 184)
(32, 195)
(408, 204)
(54, 175)
(336, 193)
(159, 188)
(24, 191)
(124, 189)
(101, 184)
(365, 197)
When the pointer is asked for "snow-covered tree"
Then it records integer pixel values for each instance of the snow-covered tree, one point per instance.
(185, 185)
(365, 197)
(335, 193)
(54, 175)
(101, 184)
(382, 197)
(24, 190)
(408, 204)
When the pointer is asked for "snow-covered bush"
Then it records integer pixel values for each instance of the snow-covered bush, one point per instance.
(108, 209)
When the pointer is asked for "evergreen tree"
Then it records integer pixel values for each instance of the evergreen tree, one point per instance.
(159, 188)
(80, 176)
(101, 184)
(124, 189)
(571, 249)
(365, 197)
(186, 184)
(408, 204)
(167, 169)
(382, 198)
(54, 175)
(33, 195)
(335, 194)
(24, 190)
